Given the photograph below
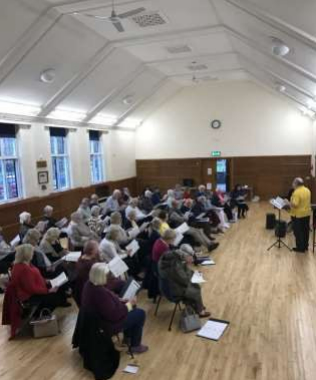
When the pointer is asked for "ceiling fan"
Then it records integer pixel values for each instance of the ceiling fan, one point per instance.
(115, 18)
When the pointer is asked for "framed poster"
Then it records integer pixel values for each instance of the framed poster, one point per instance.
(42, 177)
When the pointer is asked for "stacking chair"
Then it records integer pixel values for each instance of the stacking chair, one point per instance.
(165, 292)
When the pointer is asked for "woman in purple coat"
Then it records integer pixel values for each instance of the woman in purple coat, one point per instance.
(117, 315)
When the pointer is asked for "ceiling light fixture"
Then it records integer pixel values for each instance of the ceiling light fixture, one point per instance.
(280, 87)
(48, 76)
(279, 48)
(128, 100)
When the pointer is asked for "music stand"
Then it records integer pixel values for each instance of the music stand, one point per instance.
(279, 242)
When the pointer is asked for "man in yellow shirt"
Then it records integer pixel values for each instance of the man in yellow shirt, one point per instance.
(301, 212)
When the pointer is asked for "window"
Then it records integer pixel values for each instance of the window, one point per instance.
(10, 183)
(60, 158)
(96, 157)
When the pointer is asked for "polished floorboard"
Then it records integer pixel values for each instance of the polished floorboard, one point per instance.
(268, 297)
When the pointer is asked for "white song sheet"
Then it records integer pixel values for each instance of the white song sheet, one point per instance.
(213, 329)
(72, 257)
(131, 291)
(197, 278)
(117, 266)
(133, 247)
(182, 229)
(59, 280)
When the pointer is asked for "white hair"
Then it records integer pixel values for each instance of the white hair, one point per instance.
(48, 209)
(98, 274)
(148, 194)
(95, 210)
(24, 254)
(24, 217)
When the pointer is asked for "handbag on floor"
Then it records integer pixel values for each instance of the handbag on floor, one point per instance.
(189, 320)
(46, 325)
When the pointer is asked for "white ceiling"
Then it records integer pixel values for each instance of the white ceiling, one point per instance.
(102, 73)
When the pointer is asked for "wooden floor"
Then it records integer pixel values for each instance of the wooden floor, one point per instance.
(269, 298)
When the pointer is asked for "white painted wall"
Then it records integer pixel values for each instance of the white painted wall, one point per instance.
(34, 145)
(255, 122)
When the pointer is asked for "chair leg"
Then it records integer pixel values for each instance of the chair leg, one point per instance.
(173, 314)
(157, 307)
(180, 308)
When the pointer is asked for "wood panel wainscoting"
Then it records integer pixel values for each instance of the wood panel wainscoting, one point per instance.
(63, 202)
(267, 175)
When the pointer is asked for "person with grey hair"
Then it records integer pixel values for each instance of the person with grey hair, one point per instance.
(79, 232)
(133, 206)
(173, 268)
(95, 222)
(50, 245)
(94, 201)
(113, 202)
(176, 218)
(116, 315)
(30, 285)
(25, 219)
(109, 246)
(84, 209)
(301, 211)
(48, 218)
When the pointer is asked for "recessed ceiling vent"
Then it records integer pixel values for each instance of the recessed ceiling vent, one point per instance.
(148, 19)
(197, 67)
(179, 49)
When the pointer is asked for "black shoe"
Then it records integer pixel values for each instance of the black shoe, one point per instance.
(212, 238)
(213, 246)
(298, 250)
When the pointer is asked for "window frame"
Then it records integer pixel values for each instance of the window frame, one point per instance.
(98, 155)
(55, 157)
(17, 170)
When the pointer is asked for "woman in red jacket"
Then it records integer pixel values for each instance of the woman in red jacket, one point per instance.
(30, 285)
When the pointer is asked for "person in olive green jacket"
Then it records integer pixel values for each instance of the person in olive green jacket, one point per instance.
(173, 267)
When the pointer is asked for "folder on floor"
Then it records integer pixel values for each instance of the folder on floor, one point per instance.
(213, 329)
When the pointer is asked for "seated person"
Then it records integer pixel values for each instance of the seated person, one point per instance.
(163, 245)
(133, 206)
(156, 196)
(116, 220)
(218, 200)
(48, 218)
(200, 207)
(112, 203)
(238, 197)
(173, 267)
(146, 203)
(95, 222)
(25, 224)
(84, 209)
(79, 232)
(94, 201)
(30, 285)
(39, 258)
(176, 218)
(126, 196)
(7, 254)
(163, 216)
(50, 245)
(110, 248)
(89, 257)
(168, 197)
(116, 315)
(130, 221)
(178, 192)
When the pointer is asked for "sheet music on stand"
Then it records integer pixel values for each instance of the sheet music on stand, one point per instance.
(279, 203)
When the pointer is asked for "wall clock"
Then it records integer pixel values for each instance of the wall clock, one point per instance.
(216, 124)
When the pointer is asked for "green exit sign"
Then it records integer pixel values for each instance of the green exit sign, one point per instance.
(216, 153)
